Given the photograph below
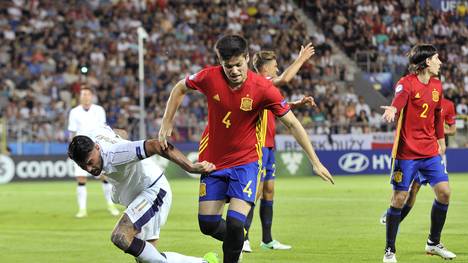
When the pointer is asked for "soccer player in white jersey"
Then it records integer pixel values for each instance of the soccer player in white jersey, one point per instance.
(82, 119)
(140, 185)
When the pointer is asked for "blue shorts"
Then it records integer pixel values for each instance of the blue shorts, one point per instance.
(428, 170)
(236, 182)
(268, 163)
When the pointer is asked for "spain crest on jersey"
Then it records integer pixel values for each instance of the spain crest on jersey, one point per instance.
(246, 104)
(435, 95)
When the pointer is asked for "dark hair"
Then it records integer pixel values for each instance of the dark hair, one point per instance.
(261, 58)
(418, 55)
(79, 148)
(86, 87)
(231, 46)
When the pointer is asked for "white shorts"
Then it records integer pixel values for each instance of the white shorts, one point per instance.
(149, 211)
(77, 171)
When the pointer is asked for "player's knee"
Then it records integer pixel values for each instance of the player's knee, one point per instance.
(399, 199)
(268, 193)
(209, 223)
(444, 196)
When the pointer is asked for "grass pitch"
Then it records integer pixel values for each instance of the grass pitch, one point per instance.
(323, 223)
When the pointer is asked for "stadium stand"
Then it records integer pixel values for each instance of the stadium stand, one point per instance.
(48, 49)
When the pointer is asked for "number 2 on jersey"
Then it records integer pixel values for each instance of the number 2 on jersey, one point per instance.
(424, 113)
(226, 119)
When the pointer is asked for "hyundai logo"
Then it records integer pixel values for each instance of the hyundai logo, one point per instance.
(353, 162)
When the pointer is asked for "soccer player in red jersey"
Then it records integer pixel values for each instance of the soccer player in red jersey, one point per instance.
(265, 64)
(419, 137)
(235, 97)
(448, 115)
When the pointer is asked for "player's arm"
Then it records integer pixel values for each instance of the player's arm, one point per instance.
(171, 153)
(305, 101)
(175, 99)
(450, 129)
(439, 127)
(299, 133)
(72, 126)
(305, 54)
(398, 103)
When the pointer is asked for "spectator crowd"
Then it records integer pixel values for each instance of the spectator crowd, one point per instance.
(386, 30)
(49, 49)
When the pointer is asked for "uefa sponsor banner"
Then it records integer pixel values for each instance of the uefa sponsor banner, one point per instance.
(356, 162)
(338, 142)
(58, 167)
(288, 163)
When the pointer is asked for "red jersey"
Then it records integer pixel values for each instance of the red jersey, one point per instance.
(448, 112)
(232, 136)
(420, 124)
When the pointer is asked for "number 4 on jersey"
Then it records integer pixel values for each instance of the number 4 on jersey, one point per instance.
(226, 119)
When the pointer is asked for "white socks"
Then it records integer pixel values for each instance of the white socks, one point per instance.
(82, 195)
(173, 257)
(107, 189)
(151, 255)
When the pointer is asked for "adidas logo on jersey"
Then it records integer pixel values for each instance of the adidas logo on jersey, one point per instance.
(417, 96)
(216, 97)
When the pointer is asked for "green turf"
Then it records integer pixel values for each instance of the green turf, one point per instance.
(323, 223)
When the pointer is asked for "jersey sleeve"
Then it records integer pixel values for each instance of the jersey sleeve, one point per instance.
(72, 125)
(197, 81)
(126, 152)
(450, 116)
(402, 92)
(275, 102)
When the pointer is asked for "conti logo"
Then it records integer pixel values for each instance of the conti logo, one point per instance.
(353, 162)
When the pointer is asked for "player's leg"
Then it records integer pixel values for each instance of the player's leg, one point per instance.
(402, 175)
(212, 197)
(411, 199)
(248, 222)
(434, 171)
(107, 190)
(81, 191)
(242, 192)
(409, 203)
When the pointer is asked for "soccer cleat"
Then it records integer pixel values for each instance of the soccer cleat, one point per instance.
(211, 257)
(439, 250)
(82, 213)
(246, 247)
(389, 256)
(383, 218)
(276, 245)
(113, 210)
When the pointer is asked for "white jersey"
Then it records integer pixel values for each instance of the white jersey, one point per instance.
(81, 121)
(124, 165)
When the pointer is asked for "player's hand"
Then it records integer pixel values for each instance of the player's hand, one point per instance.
(164, 132)
(202, 167)
(389, 114)
(306, 52)
(307, 101)
(321, 171)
